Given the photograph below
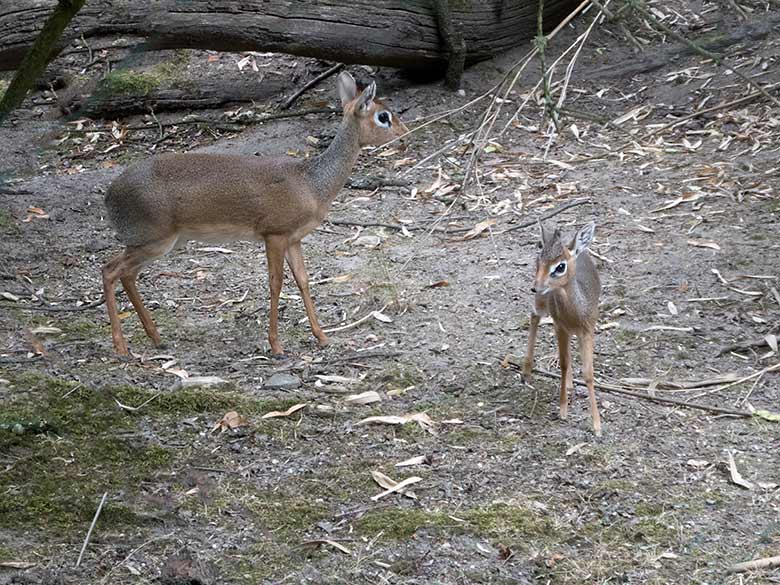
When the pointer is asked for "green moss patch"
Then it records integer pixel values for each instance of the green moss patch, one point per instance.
(78, 444)
(130, 82)
(287, 514)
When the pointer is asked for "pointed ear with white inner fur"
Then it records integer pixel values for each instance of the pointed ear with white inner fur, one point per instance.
(366, 98)
(583, 239)
(347, 88)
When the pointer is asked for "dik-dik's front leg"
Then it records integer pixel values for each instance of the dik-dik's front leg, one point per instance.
(586, 348)
(275, 249)
(564, 358)
(528, 362)
(295, 260)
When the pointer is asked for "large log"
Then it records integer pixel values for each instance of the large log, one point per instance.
(188, 96)
(398, 33)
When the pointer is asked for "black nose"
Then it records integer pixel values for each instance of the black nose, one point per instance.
(533, 289)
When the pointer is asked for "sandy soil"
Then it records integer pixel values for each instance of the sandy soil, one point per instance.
(687, 225)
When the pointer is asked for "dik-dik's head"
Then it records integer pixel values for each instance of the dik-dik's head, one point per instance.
(556, 264)
(377, 124)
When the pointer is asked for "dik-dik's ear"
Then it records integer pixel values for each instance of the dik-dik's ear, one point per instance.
(549, 235)
(347, 88)
(366, 99)
(583, 239)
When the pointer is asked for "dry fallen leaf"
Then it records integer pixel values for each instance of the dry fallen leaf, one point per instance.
(478, 229)
(333, 543)
(35, 213)
(389, 483)
(380, 316)
(293, 409)
(697, 463)
(231, 420)
(421, 418)
(367, 241)
(685, 198)
(399, 487)
(37, 344)
(704, 244)
(736, 477)
(367, 397)
(767, 415)
(419, 460)
(439, 284)
(16, 565)
(325, 379)
(46, 330)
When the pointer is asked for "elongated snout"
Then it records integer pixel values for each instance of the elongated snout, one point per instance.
(400, 128)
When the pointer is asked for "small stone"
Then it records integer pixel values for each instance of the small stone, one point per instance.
(97, 245)
(282, 381)
(193, 381)
(461, 93)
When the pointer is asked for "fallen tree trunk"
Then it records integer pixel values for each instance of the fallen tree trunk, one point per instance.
(398, 33)
(39, 55)
(200, 96)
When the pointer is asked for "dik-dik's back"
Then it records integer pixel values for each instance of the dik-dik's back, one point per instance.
(170, 198)
(209, 197)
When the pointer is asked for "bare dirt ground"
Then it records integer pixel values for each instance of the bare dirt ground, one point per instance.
(687, 225)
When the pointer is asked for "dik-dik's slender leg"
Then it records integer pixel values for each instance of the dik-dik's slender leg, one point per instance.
(128, 281)
(586, 348)
(275, 249)
(564, 358)
(126, 267)
(295, 260)
(111, 272)
(528, 362)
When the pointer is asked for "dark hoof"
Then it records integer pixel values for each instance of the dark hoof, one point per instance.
(125, 358)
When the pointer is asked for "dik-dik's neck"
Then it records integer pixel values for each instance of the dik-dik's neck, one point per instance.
(569, 300)
(329, 171)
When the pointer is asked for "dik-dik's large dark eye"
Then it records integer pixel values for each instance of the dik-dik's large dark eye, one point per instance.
(383, 119)
(559, 270)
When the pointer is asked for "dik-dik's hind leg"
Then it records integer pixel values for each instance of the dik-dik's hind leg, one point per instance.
(565, 360)
(586, 347)
(528, 362)
(275, 249)
(125, 267)
(295, 260)
(128, 282)
(111, 273)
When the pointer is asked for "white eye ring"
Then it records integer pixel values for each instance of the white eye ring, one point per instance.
(380, 123)
(554, 268)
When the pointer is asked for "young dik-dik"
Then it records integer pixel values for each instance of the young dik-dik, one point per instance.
(164, 201)
(567, 287)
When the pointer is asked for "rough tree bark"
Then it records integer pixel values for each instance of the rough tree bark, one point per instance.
(451, 31)
(199, 96)
(38, 56)
(399, 33)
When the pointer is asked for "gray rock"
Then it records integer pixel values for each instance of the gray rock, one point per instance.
(282, 381)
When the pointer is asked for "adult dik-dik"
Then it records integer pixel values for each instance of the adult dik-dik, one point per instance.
(567, 286)
(166, 200)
